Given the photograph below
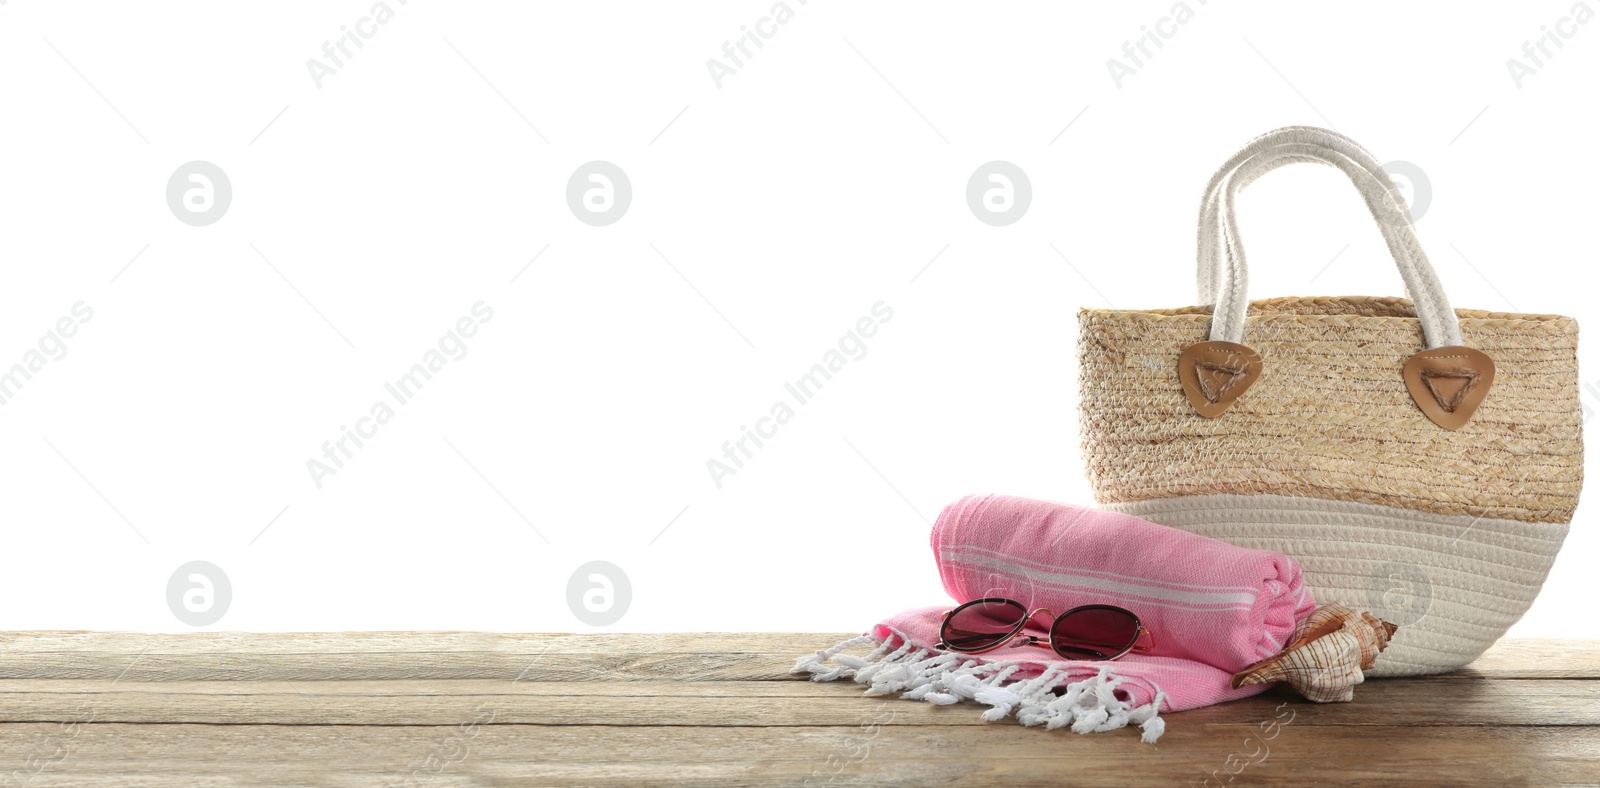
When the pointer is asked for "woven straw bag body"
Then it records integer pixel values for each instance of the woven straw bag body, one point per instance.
(1435, 496)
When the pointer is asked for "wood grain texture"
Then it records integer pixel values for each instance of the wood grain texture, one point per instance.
(895, 754)
(709, 656)
(719, 703)
(482, 709)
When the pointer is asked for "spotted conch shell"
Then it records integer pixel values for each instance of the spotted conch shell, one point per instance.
(1326, 654)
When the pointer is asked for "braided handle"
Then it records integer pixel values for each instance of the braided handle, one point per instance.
(1222, 275)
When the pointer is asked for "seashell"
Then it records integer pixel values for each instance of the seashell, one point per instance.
(1326, 654)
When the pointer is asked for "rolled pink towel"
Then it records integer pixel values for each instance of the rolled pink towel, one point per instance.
(1211, 607)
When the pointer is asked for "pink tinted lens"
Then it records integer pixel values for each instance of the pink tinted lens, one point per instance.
(981, 624)
(1094, 633)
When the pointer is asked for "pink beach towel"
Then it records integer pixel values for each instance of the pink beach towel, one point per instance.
(1213, 608)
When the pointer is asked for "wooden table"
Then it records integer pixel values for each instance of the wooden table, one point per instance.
(476, 709)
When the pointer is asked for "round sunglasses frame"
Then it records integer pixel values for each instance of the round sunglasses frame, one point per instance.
(1140, 630)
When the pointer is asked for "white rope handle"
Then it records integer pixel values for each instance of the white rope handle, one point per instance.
(1222, 275)
(1215, 244)
(1209, 241)
(1218, 238)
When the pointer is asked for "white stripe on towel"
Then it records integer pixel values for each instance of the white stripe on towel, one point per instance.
(1024, 562)
(1166, 597)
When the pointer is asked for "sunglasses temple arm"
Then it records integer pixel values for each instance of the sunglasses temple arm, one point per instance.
(1142, 632)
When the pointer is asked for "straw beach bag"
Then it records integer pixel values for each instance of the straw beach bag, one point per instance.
(1417, 460)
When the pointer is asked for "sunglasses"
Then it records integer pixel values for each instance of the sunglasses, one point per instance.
(1087, 632)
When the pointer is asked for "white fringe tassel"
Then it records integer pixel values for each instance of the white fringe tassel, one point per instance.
(1087, 706)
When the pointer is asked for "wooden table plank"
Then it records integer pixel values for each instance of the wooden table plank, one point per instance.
(233, 656)
(92, 709)
(103, 754)
(1528, 658)
(723, 703)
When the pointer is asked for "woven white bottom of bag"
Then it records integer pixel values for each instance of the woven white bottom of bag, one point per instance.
(1453, 584)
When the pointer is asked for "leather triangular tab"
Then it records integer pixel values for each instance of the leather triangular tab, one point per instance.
(1449, 383)
(1215, 374)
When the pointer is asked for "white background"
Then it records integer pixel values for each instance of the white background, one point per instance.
(821, 178)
